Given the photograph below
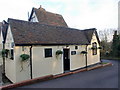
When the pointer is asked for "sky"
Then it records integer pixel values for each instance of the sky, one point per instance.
(80, 14)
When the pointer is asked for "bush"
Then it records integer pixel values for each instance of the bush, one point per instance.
(24, 57)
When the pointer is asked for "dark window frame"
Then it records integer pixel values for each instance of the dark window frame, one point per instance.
(12, 54)
(48, 52)
(94, 51)
(73, 52)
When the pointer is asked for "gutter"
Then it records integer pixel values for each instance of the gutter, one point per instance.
(31, 63)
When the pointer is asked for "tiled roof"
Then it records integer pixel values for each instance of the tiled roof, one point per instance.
(45, 17)
(34, 33)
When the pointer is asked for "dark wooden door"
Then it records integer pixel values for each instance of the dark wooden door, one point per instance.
(66, 59)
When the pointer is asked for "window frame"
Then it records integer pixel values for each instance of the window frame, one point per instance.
(12, 54)
(94, 51)
(47, 52)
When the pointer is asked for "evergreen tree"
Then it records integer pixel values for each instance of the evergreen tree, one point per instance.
(116, 45)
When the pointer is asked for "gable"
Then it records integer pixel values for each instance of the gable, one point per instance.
(95, 39)
(45, 17)
(9, 37)
(34, 18)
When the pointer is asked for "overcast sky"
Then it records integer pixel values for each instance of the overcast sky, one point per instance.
(81, 14)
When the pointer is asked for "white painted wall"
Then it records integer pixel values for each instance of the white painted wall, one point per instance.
(78, 60)
(92, 59)
(1, 40)
(1, 47)
(22, 68)
(10, 69)
(34, 18)
(45, 66)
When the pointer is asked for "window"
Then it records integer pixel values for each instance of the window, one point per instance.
(76, 47)
(12, 44)
(73, 52)
(12, 54)
(48, 52)
(94, 45)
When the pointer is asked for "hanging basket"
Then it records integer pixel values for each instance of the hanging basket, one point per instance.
(83, 52)
(93, 48)
(58, 52)
(5, 52)
(100, 47)
(24, 57)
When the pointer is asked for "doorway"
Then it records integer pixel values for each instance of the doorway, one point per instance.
(66, 59)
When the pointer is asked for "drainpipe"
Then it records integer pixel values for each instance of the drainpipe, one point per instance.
(31, 62)
(3, 61)
(86, 56)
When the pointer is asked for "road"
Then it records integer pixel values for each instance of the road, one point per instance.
(106, 77)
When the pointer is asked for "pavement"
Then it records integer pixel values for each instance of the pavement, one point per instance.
(106, 77)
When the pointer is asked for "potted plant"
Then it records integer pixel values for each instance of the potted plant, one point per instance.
(84, 52)
(24, 57)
